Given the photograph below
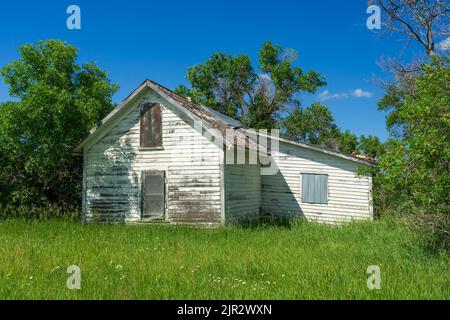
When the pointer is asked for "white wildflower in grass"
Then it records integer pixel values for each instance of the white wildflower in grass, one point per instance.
(119, 267)
(55, 269)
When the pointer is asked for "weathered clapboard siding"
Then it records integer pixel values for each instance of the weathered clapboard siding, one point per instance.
(349, 196)
(200, 188)
(114, 166)
(242, 190)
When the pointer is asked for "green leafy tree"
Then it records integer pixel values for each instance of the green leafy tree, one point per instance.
(313, 125)
(259, 98)
(222, 83)
(348, 142)
(371, 146)
(415, 168)
(57, 102)
(412, 175)
(316, 125)
(267, 97)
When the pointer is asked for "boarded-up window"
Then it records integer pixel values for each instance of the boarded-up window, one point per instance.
(315, 188)
(151, 126)
(153, 194)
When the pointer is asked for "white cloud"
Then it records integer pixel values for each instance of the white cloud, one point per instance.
(326, 95)
(444, 45)
(357, 93)
(360, 93)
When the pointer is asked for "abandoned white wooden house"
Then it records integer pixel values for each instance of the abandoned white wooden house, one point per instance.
(161, 157)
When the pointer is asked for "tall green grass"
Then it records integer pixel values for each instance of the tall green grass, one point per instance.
(305, 261)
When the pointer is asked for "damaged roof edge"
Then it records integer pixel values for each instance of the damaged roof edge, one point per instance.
(167, 93)
(319, 149)
(158, 89)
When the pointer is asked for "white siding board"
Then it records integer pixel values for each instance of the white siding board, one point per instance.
(242, 190)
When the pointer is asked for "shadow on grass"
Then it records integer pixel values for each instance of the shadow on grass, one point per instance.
(265, 220)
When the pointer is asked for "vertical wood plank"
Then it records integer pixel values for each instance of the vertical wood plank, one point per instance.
(151, 126)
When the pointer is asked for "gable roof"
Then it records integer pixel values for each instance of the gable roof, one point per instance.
(210, 119)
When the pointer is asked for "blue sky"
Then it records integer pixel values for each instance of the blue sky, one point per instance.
(138, 39)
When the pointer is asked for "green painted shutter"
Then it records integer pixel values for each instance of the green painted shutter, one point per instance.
(315, 188)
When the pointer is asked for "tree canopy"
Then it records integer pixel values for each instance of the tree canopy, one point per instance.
(416, 165)
(57, 102)
(314, 125)
(268, 96)
(258, 98)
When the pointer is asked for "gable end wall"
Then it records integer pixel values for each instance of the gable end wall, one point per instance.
(114, 166)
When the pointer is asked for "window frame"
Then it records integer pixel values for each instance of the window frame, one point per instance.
(148, 174)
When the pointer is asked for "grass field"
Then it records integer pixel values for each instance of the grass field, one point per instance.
(306, 261)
